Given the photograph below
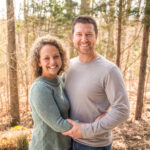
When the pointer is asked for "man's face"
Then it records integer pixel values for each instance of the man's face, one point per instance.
(84, 37)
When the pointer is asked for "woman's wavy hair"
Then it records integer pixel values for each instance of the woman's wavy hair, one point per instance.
(35, 54)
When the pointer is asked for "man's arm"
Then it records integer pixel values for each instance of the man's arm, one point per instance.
(118, 99)
(76, 132)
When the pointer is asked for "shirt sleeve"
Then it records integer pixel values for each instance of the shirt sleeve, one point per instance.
(118, 99)
(42, 101)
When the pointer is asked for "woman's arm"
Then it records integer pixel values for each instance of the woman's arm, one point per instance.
(42, 101)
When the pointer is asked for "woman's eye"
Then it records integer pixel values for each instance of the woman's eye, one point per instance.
(46, 58)
(56, 56)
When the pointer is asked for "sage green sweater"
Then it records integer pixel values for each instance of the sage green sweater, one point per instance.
(49, 111)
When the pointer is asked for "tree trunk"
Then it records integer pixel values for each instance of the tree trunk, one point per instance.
(144, 55)
(93, 2)
(69, 9)
(26, 48)
(142, 73)
(110, 29)
(119, 34)
(69, 6)
(126, 22)
(139, 6)
(85, 5)
(14, 101)
(146, 84)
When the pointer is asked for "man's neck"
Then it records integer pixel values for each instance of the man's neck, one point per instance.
(88, 57)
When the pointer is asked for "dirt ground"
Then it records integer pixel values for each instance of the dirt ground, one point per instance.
(133, 134)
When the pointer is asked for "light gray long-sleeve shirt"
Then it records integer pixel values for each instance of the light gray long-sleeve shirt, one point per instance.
(94, 88)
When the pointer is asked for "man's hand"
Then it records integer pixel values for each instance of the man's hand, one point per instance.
(75, 132)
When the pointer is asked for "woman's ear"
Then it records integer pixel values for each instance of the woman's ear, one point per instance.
(39, 64)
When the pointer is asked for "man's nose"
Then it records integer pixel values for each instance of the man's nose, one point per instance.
(84, 38)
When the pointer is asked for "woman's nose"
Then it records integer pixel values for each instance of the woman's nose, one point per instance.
(52, 61)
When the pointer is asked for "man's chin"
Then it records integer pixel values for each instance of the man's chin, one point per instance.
(84, 51)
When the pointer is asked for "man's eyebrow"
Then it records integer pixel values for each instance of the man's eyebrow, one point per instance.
(45, 55)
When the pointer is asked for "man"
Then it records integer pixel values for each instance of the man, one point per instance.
(95, 87)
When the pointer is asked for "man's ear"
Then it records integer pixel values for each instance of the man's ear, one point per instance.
(96, 36)
(72, 37)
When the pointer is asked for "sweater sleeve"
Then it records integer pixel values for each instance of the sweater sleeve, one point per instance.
(42, 100)
(118, 99)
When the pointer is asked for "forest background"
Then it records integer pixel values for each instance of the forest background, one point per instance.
(123, 38)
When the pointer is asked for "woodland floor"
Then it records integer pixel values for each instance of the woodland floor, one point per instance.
(131, 135)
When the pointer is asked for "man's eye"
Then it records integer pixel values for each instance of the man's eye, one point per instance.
(89, 34)
(78, 34)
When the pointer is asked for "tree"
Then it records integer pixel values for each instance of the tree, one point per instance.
(119, 34)
(143, 63)
(14, 102)
(26, 3)
(69, 6)
(110, 29)
(85, 5)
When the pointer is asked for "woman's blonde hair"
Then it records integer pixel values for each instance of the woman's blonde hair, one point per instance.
(35, 54)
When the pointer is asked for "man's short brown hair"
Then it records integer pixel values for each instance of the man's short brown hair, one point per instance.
(85, 19)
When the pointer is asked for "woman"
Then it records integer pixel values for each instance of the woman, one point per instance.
(48, 102)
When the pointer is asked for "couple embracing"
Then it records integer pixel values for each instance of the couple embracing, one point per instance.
(78, 111)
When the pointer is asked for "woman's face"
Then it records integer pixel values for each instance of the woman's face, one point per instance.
(50, 61)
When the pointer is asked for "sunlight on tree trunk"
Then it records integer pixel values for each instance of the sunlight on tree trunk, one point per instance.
(14, 102)
(85, 5)
(144, 55)
(119, 34)
(26, 48)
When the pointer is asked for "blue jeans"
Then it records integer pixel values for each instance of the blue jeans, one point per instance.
(77, 146)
